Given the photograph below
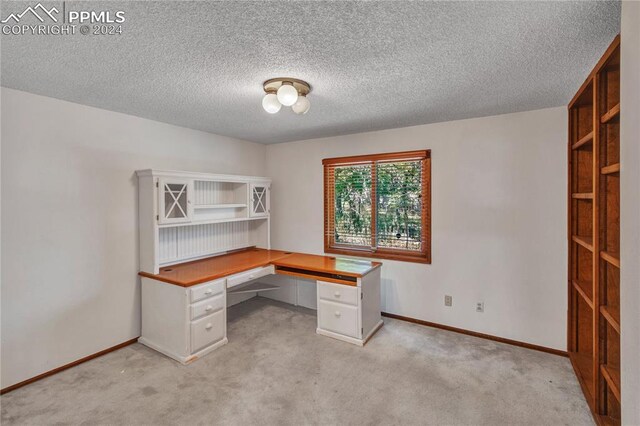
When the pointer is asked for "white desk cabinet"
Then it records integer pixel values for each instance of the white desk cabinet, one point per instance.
(350, 313)
(184, 323)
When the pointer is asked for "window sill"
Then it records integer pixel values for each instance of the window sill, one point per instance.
(380, 255)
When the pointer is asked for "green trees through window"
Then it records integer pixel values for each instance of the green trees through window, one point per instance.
(353, 205)
(376, 205)
(399, 205)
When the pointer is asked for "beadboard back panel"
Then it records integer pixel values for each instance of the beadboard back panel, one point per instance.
(188, 242)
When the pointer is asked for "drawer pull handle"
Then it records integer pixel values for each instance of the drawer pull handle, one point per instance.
(338, 313)
(251, 277)
(336, 294)
(208, 291)
(208, 308)
(209, 325)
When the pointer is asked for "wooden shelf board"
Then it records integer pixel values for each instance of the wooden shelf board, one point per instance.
(583, 365)
(582, 292)
(582, 195)
(612, 259)
(611, 114)
(612, 377)
(611, 319)
(219, 206)
(613, 168)
(583, 242)
(608, 421)
(583, 141)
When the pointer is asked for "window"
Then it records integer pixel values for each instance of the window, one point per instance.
(379, 206)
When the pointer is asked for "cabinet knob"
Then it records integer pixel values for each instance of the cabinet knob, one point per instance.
(208, 308)
(208, 327)
(251, 277)
(336, 294)
(208, 291)
(338, 313)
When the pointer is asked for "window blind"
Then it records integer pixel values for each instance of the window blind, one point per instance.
(378, 205)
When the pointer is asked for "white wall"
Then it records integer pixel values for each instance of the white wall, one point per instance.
(498, 220)
(69, 222)
(630, 212)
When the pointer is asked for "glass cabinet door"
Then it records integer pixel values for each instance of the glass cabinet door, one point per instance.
(259, 200)
(174, 198)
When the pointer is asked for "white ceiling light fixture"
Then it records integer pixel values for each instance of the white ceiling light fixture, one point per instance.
(288, 92)
(270, 103)
(302, 105)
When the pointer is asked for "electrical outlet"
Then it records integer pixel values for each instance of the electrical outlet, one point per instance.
(448, 300)
(480, 307)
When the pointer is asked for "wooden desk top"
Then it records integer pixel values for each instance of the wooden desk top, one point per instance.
(312, 262)
(211, 268)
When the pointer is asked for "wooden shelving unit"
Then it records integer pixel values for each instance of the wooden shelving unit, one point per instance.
(594, 237)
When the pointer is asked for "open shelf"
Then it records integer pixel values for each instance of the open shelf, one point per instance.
(611, 114)
(583, 141)
(220, 206)
(582, 195)
(253, 288)
(583, 241)
(612, 376)
(206, 222)
(611, 317)
(583, 288)
(608, 170)
(610, 258)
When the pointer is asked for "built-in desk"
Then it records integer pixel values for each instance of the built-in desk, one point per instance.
(327, 268)
(184, 305)
(199, 271)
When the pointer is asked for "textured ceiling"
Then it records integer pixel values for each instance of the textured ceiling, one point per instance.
(372, 65)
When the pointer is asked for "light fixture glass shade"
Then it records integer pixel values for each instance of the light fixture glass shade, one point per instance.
(302, 105)
(287, 94)
(270, 103)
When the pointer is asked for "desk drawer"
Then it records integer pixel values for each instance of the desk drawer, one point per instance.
(203, 291)
(338, 293)
(207, 306)
(249, 275)
(338, 317)
(207, 331)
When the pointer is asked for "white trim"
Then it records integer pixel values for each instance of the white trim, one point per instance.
(342, 337)
(202, 176)
(162, 350)
(348, 339)
(208, 349)
(373, 330)
(183, 359)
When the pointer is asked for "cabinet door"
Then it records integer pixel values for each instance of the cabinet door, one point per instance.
(259, 200)
(174, 200)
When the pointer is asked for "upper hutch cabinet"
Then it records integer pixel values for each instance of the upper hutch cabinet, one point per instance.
(175, 200)
(187, 215)
(259, 199)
